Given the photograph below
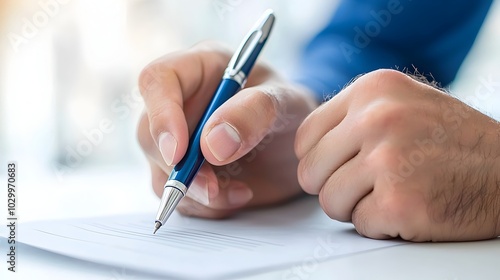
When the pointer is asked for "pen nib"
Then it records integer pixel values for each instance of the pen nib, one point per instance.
(157, 226)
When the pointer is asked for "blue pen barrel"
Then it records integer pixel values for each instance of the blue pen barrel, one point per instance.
(186, 169)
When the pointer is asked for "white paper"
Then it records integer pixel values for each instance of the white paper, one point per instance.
(296, 235)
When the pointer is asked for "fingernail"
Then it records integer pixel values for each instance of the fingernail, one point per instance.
(239, 195)
(198, 190)
(223, 141)
(167, 145)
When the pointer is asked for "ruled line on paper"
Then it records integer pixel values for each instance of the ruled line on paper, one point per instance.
(178, 237)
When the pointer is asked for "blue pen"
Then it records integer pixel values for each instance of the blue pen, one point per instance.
(233, 80)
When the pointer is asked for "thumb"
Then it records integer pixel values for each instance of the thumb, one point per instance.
(240, 124)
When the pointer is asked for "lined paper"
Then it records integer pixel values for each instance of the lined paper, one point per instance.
(177, 237)
(191, 248)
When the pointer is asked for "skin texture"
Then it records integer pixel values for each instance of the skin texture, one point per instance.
(390, 154)
(397, 157)
(265, 116)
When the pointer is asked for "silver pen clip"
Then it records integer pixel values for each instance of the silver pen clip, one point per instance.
(255, 37)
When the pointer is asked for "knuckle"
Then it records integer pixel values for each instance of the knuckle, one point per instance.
(156, 122)
(150, 75)
(396, 211)
(144, 135)
(380, 84)
(161, 117)
(392, 204)
(299, 145)
(252, 114)
(382, 116)
(306, 134)
(382, 81)
(301, 177)
(389, 75)
(304, 176)
(381, 159)
(364, 122)
(331, 197)
(359, 219)
(326, 203)
(267, 105)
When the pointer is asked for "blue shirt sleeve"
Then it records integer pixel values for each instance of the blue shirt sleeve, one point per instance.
(433, 36)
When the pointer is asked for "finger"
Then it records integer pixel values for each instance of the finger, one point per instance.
(189, 207)
(144, 136)
(359, 93)
(205, 182)
(228, 201)
(148, 145)
(243, 121)
(366, 222)
(386, 214)
(346, 187)
(319, 122)
(205, 191)
(166, 85)
(203, 188)
(333, 150)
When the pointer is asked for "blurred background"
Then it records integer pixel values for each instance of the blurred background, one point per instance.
(69, 102)
(68, 66)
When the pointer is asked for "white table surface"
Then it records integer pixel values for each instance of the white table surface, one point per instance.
(88, 193)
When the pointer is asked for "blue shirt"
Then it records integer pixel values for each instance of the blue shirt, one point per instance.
(432, 36)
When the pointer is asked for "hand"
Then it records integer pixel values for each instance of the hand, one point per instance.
(397, 157)
(248, 141)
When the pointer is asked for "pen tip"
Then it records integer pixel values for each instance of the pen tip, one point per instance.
(157, 226)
